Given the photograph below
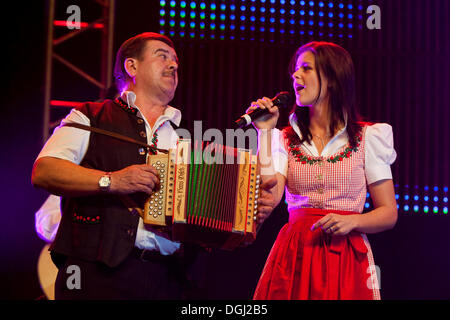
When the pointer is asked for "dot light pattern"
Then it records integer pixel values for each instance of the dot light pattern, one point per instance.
(418, 200)
(261, 20)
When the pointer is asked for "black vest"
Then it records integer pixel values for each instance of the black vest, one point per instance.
(100, 227)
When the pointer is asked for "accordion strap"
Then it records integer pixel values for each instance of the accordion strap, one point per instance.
(129, 203)
(113, 135)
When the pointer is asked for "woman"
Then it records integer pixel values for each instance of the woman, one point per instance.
(325, 158)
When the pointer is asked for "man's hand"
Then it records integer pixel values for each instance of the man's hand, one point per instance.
(135, 178)
(266, 201)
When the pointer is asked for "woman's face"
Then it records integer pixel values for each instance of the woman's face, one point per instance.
(306, 81)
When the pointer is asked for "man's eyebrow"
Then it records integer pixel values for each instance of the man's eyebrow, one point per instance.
(165, 51)
(161, 49)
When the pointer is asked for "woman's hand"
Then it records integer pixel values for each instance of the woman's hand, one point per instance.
(268, 121)
(337, 224)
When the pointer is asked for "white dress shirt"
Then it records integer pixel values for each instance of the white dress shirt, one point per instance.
(71, 144)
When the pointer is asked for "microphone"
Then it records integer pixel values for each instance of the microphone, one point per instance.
(281, 100)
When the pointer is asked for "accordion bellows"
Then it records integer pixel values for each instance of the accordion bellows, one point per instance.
(207, 196)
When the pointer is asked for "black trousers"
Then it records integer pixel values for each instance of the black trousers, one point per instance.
(147, 277)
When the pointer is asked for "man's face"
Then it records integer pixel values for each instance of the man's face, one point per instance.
(156, 70)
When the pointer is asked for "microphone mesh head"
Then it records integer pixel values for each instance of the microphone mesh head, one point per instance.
(283, 99)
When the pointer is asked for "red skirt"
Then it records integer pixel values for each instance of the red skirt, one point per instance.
(310, 265)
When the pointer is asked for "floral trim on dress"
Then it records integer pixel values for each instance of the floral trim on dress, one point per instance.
(301, 156)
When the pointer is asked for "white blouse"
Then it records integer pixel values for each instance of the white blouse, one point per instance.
(379, 149)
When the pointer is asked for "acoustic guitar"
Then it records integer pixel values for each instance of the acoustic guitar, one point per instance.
(47, 272)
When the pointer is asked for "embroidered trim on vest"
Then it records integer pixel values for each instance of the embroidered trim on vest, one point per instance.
(85, 220)
(125, 106)
(302, 157)
(153, 148)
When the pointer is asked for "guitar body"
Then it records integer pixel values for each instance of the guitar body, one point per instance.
(47, 272)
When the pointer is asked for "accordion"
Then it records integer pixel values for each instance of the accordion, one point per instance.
(204, 200)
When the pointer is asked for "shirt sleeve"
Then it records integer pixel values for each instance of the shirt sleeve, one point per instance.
(68, 143)
(279, 153)
(47, 218)
(379, 152)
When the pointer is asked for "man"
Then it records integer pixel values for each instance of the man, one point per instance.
(115, 255)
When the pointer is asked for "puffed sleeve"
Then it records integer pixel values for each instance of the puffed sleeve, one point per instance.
(379, 152)
(279, 153)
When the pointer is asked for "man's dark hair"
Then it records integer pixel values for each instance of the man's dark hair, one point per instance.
(133, 48)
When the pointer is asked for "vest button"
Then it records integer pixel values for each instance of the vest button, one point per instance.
(140, 121)
(141, 151)
(143, 134)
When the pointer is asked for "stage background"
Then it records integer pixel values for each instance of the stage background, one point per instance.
(402, 79)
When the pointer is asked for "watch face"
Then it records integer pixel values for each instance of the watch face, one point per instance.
(104, 181)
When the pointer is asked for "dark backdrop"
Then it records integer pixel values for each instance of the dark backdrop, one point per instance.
(403, 79)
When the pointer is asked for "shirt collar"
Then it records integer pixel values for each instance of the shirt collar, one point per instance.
(293, 121)
(170, 113)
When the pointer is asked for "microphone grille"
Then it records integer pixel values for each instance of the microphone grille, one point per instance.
(283, 99)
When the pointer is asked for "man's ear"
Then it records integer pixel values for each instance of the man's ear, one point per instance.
(130, 65)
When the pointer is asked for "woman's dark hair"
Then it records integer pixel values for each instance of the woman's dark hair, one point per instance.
(133, 48)
(335, 63)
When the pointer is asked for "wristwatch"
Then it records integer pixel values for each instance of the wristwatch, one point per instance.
(105, 181)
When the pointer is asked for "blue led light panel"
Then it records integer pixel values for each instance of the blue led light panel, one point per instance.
(261, 20)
